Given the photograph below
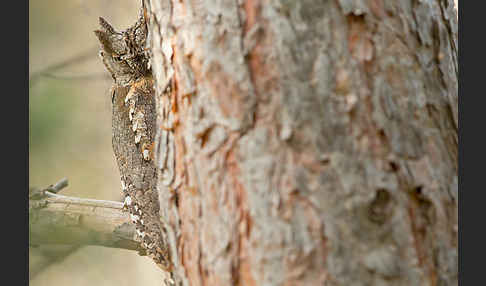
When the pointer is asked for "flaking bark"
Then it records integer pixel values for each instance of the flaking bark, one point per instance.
(313, 142)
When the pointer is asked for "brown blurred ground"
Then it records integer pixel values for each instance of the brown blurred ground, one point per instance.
(70, 133)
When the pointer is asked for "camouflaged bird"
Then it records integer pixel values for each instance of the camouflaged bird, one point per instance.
(133, 127)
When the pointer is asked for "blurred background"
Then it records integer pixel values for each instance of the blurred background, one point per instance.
(70, 134)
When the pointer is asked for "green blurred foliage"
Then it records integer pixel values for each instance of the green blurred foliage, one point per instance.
(49, 113)
(70, 134)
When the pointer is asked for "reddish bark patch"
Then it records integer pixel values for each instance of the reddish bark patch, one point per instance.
(359, 39)
(376, 7)
(420, 221)
(189, 247)
(263, 73)
(230, 97)
(252, 10)
(242, 266)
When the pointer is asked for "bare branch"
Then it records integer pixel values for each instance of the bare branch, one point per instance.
(58, 219)
(58, 186)
(92, 52)
(95, 76)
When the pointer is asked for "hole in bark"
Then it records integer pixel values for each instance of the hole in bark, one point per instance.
(426, 210)
(378, 210)
(423, 201)
(204, 136)
(393, 166)
(326, 161)
(382, 134)
(418, 190)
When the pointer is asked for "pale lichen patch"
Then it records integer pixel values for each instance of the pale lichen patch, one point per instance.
(129, 96)
(134, 218)
(128, 201)
(146, 154)
(140, 233)
(138, 137)
(131, 111)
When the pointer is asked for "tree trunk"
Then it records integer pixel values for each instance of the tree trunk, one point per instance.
(307, 142)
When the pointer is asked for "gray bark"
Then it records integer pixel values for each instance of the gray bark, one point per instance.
(307, 142)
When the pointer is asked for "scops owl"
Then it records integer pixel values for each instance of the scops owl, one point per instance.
(133, 126)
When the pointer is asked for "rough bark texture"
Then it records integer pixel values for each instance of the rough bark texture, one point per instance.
(307, 142)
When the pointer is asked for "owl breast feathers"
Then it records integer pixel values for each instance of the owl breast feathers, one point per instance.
(133, 131)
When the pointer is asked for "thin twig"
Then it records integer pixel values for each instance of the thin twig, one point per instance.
(70, 61)
(95, 76)
(58, 186)
(60, 199)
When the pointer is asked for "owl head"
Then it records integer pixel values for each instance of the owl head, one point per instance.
(123, 53)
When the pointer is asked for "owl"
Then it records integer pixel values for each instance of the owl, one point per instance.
(133, 130)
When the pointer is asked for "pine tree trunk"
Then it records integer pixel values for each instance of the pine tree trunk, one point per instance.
(307, 142)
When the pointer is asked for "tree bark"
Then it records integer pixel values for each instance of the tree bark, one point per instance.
(307, 142)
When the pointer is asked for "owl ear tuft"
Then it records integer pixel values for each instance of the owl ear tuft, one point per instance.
(106, 26)
(104, 39)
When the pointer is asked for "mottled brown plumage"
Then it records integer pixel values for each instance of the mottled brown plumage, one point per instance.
(133, 126)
